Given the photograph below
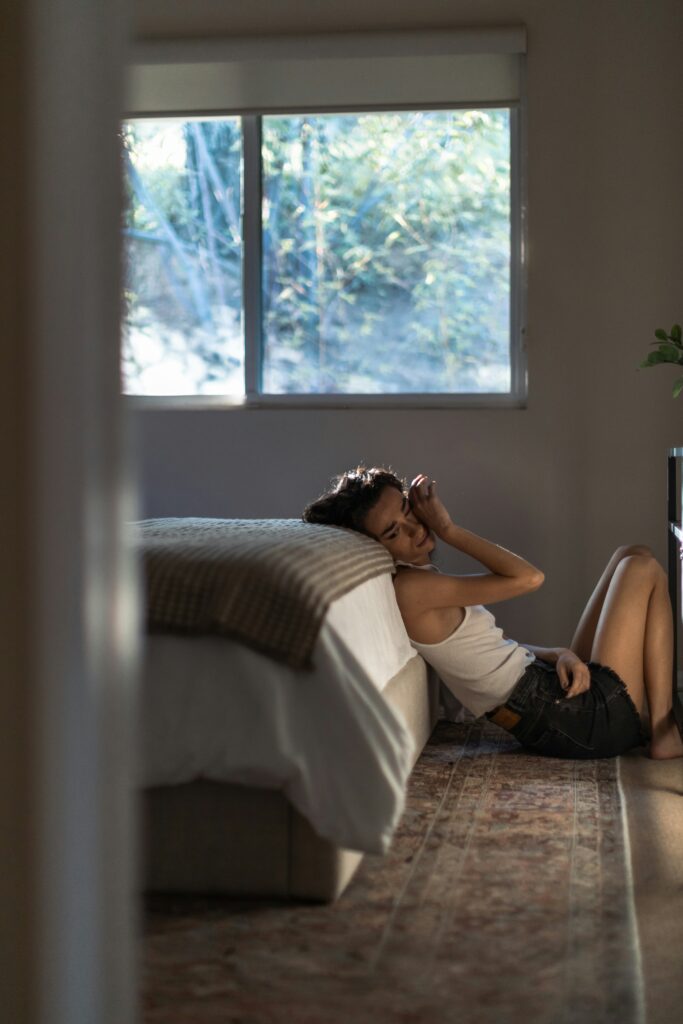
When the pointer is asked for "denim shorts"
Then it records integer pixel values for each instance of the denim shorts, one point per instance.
(602, 722)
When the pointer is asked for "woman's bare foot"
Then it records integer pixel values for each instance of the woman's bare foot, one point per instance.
(666, 739)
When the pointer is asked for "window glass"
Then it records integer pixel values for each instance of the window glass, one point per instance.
(386, 252)
(183, 257)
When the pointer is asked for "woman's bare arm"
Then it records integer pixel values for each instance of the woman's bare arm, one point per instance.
(508, 574)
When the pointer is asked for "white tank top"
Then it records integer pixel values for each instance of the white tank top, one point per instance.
(477, 664)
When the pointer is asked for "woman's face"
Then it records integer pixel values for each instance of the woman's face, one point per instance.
(394, 524)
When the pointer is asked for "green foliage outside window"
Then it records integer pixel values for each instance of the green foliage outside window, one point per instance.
(386, 253)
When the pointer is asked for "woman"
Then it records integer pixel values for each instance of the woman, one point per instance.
(558, 701)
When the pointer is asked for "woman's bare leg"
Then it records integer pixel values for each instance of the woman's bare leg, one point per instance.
(582, 643)
(634, 637)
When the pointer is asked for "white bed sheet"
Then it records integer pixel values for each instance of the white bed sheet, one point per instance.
(215, 709)
(368, 621)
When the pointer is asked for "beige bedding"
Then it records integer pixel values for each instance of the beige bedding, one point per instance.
(265, 582)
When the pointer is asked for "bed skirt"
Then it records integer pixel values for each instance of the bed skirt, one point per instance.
(228, 839)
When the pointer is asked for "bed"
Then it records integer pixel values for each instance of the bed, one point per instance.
(266, 772)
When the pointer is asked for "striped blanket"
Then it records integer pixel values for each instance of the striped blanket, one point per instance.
(265, 582)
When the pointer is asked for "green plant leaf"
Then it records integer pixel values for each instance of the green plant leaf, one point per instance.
(670, 353)
(661, 334)
(676, 333)
(653, 359)
(678, 387)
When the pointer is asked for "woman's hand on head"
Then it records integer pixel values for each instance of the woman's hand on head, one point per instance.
(427, 505)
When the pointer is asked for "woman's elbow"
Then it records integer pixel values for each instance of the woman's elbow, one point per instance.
(534, 580)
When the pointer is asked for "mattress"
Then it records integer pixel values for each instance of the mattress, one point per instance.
(214, 709)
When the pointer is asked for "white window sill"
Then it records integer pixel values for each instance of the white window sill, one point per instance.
(157, 403)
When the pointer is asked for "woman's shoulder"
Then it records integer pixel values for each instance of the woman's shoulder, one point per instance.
(410, 576)
(427, 616)
(407, 568)
(413, 582)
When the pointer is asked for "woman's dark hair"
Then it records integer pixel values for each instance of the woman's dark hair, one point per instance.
(351, 497)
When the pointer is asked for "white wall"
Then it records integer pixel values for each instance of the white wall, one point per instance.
(583, 467)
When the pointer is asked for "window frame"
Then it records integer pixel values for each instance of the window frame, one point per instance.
(253, 398)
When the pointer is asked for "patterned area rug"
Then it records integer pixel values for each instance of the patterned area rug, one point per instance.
(505, 899)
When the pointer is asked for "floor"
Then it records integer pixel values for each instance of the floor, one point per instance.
(652, 792)
(654, 806)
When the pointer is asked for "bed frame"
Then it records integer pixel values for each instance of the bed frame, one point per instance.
(218, 838)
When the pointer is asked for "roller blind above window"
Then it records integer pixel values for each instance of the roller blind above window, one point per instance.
(346, 70)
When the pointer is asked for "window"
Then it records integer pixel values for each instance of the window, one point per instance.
(292, 250)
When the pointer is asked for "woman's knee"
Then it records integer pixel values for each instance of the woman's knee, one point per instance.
(627, 550)
(641, 565)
